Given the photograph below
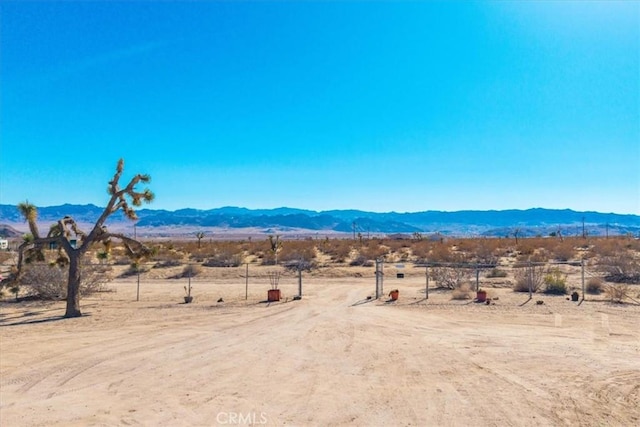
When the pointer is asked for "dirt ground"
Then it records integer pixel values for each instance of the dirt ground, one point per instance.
(332, 358)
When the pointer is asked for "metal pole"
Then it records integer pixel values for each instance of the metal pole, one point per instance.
(299, 280)
(246, 282)
(377, 278)
(381, 277)
(477, 278)
(583, 288)
(138, 288)
(426, 289)
(530, 274)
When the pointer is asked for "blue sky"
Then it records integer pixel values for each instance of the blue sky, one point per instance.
(382, 106)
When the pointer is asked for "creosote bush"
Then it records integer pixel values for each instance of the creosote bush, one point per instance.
(617, 292)
(49, 281)
(555, 282)
(191, 270)
(462, 292)
(496, 272)
(594, 286)
(528, 277)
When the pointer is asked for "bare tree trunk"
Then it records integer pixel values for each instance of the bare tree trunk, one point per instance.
(73, 287)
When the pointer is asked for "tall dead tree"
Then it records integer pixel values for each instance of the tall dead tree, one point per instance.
(73, 243)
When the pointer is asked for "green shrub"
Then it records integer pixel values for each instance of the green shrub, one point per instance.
(555, 282)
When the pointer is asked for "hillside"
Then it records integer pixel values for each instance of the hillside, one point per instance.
(528, 222)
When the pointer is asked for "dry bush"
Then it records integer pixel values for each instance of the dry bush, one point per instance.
(338, 249)
(361, 261)
(49, 281)
(563, 251)
(462, 292)
(594, 286)
(441, 252)
(296, 250)
(420, 250)
(397, 245)
(486, 251)
(608, 247)
(618, 292)
(449, 277)
(224, 259)
(374, 249)
(5, 256)
(527, 247)
(497, 272)
(528, 277)
(623, 268)
(190, 270)
(135, 268)
(165, 257)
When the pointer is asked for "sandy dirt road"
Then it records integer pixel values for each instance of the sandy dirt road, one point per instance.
(332, 358)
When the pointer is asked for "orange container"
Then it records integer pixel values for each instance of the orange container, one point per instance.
(481, 296)
(394, 295)
(273, 295)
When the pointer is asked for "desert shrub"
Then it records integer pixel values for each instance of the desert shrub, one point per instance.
(526, 247)
(563, 251)
(450, 277)
(166, 256)
(135, 268)
(337, 249)
(374, 249)
(301, 264)
(420, 250)
(167, 263)
(555, 282)
(224, 259)
(440, 252)
(623, 268)
(361, 261)
(5, 256)
(594, 286)
(49, 281)
(496, 272)
(612, 246)
(191, 270)
(617, 292)
(528, 277)
(296, 251)
(462, 292)
(122, 260)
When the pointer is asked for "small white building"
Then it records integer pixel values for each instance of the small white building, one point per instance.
(4, 244)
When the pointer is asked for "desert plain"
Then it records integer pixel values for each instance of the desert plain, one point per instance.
(337, 356)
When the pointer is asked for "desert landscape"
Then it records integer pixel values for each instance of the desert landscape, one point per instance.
(140, 355)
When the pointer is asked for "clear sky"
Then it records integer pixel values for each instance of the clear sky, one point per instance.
(381, 106)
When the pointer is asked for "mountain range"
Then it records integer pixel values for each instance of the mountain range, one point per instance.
(529, 222)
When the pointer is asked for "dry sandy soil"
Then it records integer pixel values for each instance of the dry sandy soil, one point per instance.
(332, 358)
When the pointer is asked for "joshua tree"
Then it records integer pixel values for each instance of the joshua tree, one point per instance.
(66, 230)
(275, 244)
(199, 236)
